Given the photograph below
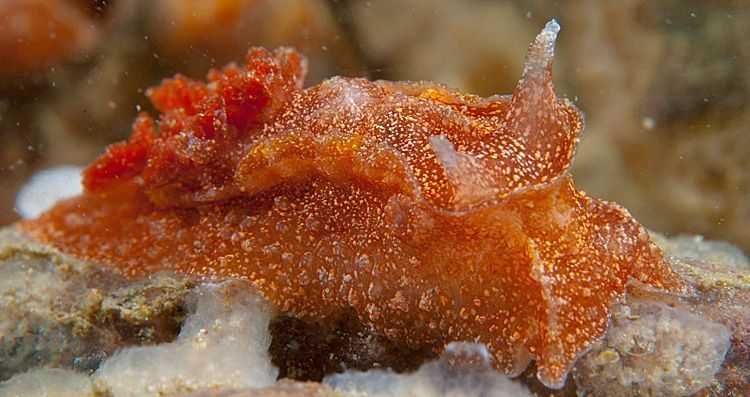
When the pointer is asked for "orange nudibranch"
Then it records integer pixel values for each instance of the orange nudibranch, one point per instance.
(434, 215)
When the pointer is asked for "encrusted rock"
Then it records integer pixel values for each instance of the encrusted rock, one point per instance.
(58, 311)
(654, 349)
(657, 343)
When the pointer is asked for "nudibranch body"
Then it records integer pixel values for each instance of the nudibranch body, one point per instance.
(434, 215)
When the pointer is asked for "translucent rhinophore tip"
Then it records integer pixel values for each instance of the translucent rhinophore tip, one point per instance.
(553, 27)
(542, 50)
(534, 104)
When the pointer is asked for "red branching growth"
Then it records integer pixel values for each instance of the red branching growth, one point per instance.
(203, 130)
(434, 215)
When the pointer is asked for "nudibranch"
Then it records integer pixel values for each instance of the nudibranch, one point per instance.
(434, 215)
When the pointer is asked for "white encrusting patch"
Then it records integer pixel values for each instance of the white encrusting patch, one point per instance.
(46, 187)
